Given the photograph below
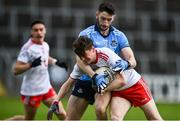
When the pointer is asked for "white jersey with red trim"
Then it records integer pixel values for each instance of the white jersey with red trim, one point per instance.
(36, 80)
(106, 57)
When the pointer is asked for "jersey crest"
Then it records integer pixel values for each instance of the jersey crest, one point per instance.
(114, 43)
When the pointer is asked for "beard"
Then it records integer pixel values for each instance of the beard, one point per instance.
(102, 28)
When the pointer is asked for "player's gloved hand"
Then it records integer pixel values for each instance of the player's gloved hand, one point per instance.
(121, 65)
(99, 82)
(53, 108)
(61, 64)
(36, 62)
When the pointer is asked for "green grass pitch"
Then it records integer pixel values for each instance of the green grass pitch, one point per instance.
(10, 106)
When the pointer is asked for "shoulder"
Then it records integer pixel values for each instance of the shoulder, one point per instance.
(46, 44)
(27, 45)
(104, 50)
(87, 31)
(117, 32)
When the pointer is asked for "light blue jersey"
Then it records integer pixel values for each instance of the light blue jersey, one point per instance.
(115, 40)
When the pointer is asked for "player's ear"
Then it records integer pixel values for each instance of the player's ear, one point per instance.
(45, 30)
(114, 16)
(97, 14)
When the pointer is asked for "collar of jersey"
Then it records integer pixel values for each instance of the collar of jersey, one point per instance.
(35, 42)
(96, 28)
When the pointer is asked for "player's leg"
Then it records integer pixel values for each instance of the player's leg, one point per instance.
(101, 105)
(151, 111)
(82, 95)
(146, 102)
(118, 108)
(30, 112)
(31, 104)
(48, 99)
(76, 107)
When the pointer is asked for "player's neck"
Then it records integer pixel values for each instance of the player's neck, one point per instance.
(105, 33)
(39, 42)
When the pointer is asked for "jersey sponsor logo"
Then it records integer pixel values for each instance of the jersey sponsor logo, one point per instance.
(114, 43)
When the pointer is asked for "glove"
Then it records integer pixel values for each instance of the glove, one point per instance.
(121, 65)
(53, 108)
(61, 64)
(36, 62)
(99, 82)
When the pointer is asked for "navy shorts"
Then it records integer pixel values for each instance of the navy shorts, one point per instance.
(83, 89)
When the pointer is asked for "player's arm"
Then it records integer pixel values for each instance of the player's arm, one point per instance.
(54, 108)
(117, 83)
(57, 62)
(128, 55)
(20, 67)
(84, 67)
(65, 88)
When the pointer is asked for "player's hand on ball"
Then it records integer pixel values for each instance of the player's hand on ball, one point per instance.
(36, 62)
(62, 64)
(99, 82)
(54, 108)
(120, 65)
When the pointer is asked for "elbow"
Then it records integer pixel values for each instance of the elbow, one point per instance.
(123, 83)
(15, 71)
(134, 64)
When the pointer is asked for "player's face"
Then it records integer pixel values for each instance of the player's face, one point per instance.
(38, 32)
(104, 20)
(90, 56)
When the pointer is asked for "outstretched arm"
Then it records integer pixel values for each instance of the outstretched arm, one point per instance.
(57, 62)
(65, 88)
(54, 108)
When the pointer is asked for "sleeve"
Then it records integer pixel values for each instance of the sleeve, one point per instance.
(113, 57)
(23, 55)
(76, 73)
(82, 33)
(123, 41)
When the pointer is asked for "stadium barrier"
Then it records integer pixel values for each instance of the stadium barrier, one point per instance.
(165, 88)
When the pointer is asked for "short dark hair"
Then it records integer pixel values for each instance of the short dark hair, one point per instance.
(37, 22)
(82, 44)
(108, 7)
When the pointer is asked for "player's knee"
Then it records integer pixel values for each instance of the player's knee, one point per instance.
(100, 109)
(61, 115)
(116, 118)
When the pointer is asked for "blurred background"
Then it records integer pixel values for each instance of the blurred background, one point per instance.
(151, 26)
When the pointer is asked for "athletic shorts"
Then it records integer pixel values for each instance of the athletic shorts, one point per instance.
(83, 89)
(138, 94)
(35, 101)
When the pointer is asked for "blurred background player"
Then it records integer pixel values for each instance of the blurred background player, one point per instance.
(33, 61)
(134, 91)
(103, 34)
